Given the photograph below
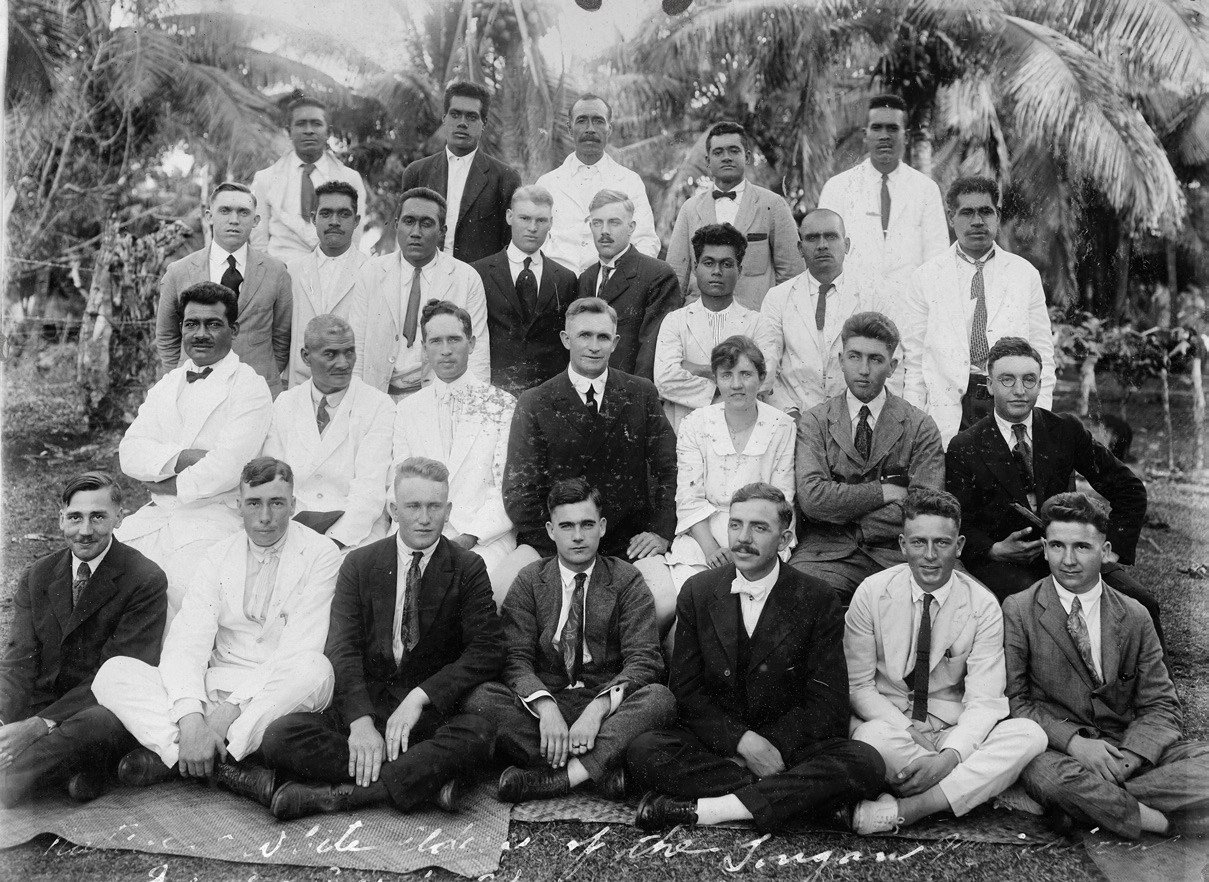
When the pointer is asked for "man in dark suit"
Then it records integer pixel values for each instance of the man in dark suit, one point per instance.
(413, 630)
(74, 609)
(582, 650)
(1006, 465)
(641, 289)
(527, 298)
(477, 188)
(261, 283)
(607, 427)
(759, 676)
(1084, 663)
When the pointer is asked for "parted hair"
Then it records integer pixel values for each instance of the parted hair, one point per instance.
(1006, 347)
(608, 197)
(436, 307)
(593, 305)
(971, 184)
(719, 234)
(761, 490)
(463, 89)
(422, 193)
(571, 491)
(1074, 508)
(873, 326)
(532, 193)
(264, 469)
(231, 187)
(727, 353)
(927, 501)
(211, 294)
(336, 188)
(421, 467)
(86, 481)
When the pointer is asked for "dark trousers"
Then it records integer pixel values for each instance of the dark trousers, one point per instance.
(818, 778)
(976, 402)
(93, 740)
(314, 747)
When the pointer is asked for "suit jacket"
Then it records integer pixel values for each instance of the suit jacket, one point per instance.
(839, 492)
(265, 311)
(482, 227)
(643, 290)
(982, 473)
(525, 352)
(966, 678)
(936, 369)
(772, 242)
(283, 232)
(619, 630)
(347, 468)
(310, 300)
(794, 691)
(53, 651)
(628, 452)
(460, 644)
(1047, 682)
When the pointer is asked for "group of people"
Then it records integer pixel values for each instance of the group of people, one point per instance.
(502, 493)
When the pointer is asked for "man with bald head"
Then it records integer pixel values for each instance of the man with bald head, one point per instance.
(806, 315)
(335, 431)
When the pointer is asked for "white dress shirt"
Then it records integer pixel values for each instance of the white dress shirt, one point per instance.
(332, 270)
(965, 278)
(409, 360)
(854, 408)
(516, 263)
(1089, 603)
(726, 210)
(459, 170)
(219, 265)
(260, 578)
(405, 552)
(334, 400)
(93, 565)
(449, 407)
(753, 595)
(939, 596)
(581, 384)
(1005, 428)
(611, 265)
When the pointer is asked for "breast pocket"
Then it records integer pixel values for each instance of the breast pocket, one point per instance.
(755, 261)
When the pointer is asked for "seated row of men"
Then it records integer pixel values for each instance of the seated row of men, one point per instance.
(315, 684)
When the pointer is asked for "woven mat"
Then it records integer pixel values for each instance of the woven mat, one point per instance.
(187, 818)
(1151, 860)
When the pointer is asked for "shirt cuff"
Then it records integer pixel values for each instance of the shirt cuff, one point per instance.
(528, 701)
(616, 694)
(183, 707)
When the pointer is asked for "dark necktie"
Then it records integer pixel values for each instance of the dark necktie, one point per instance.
(322, 417)
(863, 439)
(591, 402)
(572, 635)
(307, 197)
(409, 627)
(885, 204)
(526, 289)
(231, 277)
(725, 194)
(1076, 626)
(605, 272)
(83, 574)
(978, 330)
(194, 376)
(820, 309)
(413, 309)
(923, 664)
(1022, 452)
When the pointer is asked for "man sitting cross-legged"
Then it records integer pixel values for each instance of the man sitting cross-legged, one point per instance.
(245, 649)
(582, 651)
(759, 676)
(947, 744)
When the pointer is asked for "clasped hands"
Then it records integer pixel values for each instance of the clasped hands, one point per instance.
(1114, 764)
(367, 749)
(203, 737)
(558, 742)
(925, 772)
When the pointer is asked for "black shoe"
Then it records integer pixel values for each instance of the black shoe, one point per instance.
(658, 812)
(450, 796)
(522, 785)
(839, 819)
(614, 784)
(141, 767)
(86, 786)
(1059, 821)
(246, 779)
(295, 800)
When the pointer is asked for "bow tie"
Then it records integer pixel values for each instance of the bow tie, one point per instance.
(191, 376)
(725, 194)
(748, 590)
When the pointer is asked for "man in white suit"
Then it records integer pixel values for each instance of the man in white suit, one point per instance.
(286, 190)
(947, 745)
(335, 432)
(198, 426)
(325, 279)
(246, 649)
(462, 422)
(893, 212)
(804, 362)
(386, 311)
(959, 304)
(758, 213)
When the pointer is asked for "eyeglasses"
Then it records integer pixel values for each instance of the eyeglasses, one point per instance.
(1029, 381)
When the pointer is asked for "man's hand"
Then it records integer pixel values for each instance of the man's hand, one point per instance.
(893, 493)
(555, 738)
(719, 558)
(582, 736)
(161, 488)
(1015, 548)
(1099, 757)
(15, 737)
(465, 540)
(918, 735)
(402, 721)
(697, 369)
(189, 457)
(760, 754)
(924, 773)
(221, 717)
(365, 750)
(198, 746)
(646, 544)
(1130, 764)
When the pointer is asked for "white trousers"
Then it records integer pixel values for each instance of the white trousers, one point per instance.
(134, 691)
(988, 771)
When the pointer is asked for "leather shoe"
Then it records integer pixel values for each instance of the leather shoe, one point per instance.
(246, 779)
(614, 783)
(296, 800)
(141, 767)
(522, 785)
(449, 797)
(85, 786)
(1059, 821)
(658, 812)
(840, 818)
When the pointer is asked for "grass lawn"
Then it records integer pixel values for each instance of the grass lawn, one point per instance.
(42, 445)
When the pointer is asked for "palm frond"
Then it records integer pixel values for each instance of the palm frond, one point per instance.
(138, 64)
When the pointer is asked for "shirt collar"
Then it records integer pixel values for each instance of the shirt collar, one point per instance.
(875, 406)
(226, 366)
(1005, 428)
(581, 383)
(837, 282)
(333, 398)
(405, 552)
(940, 595)
(440, 388)
(612, 264)
(454, 159)
(878, 175)
(573, 162)
(323, 259)
(737, 189)
(317, 163)
(963, 257)
(568, 576)
(260, 552)
(219, 255)
(756, 591)
(93, 565)
(516, 256)
(1087, 600)
(426, 271)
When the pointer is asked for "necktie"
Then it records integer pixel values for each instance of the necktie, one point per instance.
(820, 309)
(413, 309)
(591, 402)
(409, 627)
(923, 664)
(526, 289)
(307, 197)
(605, 272)
(978, 330)
(724, 194)
(864, 433)
(83, 574)
(885, 204)
(256, 604)
(1022, 452)
(322, 417)
(1077, 628)
(194, 376)
(572, 635)
(231, 277)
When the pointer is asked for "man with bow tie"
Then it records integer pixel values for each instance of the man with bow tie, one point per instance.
(758, 213)
(762, 692)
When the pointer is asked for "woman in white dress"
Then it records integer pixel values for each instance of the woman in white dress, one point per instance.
(719, 449)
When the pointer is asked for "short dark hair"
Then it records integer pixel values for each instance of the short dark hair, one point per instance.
(304, 101)
(96, 480)
(972, 184)
(927, 501)
(336, 188)
(761, 490)
(591, 96)
(893, 102)
(1005, 347)
(443, 307)
(727, 353)
(422, 193)
(726, 127)
(231, 187)
(873, 326)
(719, 234)
(571, 491)
(591, 305)
(464, 89)
(1074, 508)
(209, 294)
(265, 469)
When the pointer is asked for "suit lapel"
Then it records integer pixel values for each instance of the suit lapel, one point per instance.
(723, 613)
(546, 292)
(338, 428)
(214, 392)
(895, 609)
(616, 397)
(440, 179)
(1053, 620)
(624, 274)
(256, 271)
(602, 599)
(434, 587)
(705, 210)
(289, 575)
(746, 214)
(888, 429)
(464, 438)
(502, 274)
(1045, 445)
(308, 281)
(384, 586)
(476, 180)
(306, 430)
(950, 621)
(1112, 632)
(999, 460)
(841, 428)
(60, 590)
(777, 621)
(575, 414)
